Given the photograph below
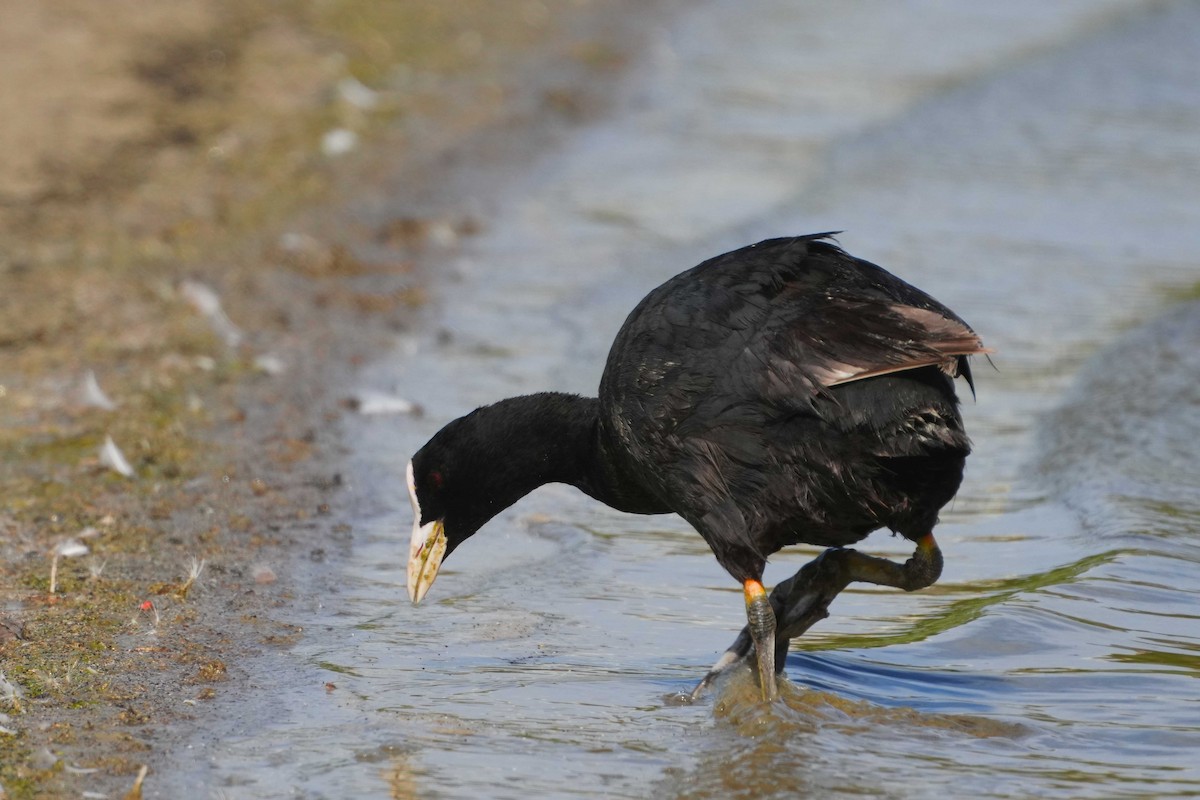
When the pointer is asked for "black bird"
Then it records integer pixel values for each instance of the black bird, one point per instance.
(782, 393)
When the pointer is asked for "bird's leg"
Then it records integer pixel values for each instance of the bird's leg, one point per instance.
(736, 652)
(921, 570)
(808, 596)
(813, 587)
(803, 599)
(761, 622)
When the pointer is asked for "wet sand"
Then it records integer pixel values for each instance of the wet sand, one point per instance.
(150, 163)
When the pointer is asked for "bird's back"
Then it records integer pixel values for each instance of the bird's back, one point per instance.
(789, 392)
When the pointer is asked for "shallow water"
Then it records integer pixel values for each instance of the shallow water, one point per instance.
(1034, 166)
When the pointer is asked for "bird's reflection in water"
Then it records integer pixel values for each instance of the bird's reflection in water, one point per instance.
(738, 702)
(771, 749)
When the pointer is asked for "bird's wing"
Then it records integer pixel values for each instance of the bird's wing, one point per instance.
(800, 321)
(773, 325)
(843, 340)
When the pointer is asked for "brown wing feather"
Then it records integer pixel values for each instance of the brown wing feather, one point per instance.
(934, 340)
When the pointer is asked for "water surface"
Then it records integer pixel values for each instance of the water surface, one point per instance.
(1034, 166)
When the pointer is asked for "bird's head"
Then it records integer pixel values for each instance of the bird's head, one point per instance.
(482, 463)
(471, 470)
(429, 543)
(444, 484)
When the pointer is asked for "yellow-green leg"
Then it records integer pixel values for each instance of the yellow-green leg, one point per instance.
(802, 600)
(760, 618)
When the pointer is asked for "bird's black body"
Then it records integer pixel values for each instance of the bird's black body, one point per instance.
(717, 396)
(782, 393)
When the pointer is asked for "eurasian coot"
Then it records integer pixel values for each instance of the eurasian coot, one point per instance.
(782, 393)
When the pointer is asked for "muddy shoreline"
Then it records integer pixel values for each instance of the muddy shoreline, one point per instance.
(235, 508)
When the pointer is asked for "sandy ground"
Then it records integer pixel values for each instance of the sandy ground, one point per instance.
(154, 158)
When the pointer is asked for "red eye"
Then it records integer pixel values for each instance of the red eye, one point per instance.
(437, 479)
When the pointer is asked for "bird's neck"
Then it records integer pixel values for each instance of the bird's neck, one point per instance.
(552, 438)
(547, 438)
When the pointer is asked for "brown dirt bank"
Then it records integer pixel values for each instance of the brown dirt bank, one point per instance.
(148, 154)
